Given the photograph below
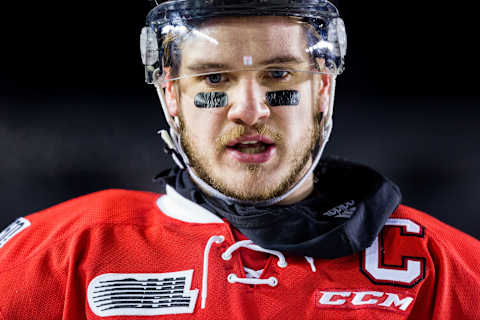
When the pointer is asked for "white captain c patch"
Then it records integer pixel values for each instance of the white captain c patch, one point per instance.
(142, 294)
(13, 229)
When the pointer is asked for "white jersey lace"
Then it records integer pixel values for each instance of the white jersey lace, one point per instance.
(252, 276)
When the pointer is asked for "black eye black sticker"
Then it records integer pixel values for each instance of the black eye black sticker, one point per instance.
(283, 98)
(211, 100)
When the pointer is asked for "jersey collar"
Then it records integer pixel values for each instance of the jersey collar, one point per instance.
(177, 207)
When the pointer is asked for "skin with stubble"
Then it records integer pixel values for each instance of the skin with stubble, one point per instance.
(207, 134)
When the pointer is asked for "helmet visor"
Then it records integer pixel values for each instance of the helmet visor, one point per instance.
(271, 41)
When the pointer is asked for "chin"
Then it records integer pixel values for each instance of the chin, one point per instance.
(252, 185)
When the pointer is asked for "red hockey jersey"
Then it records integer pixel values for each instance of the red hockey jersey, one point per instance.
(121, 254)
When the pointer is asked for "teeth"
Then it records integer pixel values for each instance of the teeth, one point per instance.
(249, 142)
(254, 150)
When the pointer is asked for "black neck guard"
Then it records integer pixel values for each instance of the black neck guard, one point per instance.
(348, 208)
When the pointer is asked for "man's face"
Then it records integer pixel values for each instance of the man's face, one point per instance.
(251, 147)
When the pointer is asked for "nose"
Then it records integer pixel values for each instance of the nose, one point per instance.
(248, 105)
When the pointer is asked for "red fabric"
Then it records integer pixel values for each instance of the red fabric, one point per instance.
(251, 259)
(45, 269)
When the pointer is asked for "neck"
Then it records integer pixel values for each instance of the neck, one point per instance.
(305, 189)
(303, 192)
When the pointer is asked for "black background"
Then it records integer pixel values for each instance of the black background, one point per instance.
(76, 115)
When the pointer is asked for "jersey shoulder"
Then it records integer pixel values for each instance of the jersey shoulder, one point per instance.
(442, 237)
(447, 263)
(40, 231)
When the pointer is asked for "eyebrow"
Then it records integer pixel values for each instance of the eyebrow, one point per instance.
(203, 67)
(281, 59)
(207, 66)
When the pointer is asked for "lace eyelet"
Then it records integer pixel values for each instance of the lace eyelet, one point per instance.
(282, 265)
(231, 278)
(226, 257)
(273, 282)
(220, 239)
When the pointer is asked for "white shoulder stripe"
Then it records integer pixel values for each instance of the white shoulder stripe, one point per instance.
(13, 229)
(175, 206)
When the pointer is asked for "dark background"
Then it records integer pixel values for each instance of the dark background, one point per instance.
(76, 116)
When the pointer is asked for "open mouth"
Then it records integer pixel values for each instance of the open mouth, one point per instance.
(252, 150)
(251, 147)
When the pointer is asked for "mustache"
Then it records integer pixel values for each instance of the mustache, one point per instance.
(241, 130)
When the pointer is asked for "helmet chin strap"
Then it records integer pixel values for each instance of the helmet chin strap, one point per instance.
(173, 142)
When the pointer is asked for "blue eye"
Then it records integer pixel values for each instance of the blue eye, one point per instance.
(214, 78)
(278, 74)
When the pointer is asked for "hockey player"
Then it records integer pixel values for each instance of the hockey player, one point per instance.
(252, 224)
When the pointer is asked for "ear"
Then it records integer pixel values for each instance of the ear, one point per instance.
(171, 93)
(171, 98)
(324, 92)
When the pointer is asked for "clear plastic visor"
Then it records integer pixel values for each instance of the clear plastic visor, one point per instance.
(278, 52)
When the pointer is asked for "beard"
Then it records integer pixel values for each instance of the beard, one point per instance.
(250, 188)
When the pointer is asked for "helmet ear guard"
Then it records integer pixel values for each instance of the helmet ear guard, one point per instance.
(329, 43)
(150, 54)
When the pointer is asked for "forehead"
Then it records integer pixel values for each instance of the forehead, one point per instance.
(241, 41)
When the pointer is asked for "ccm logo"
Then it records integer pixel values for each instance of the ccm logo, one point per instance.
(362, 299)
